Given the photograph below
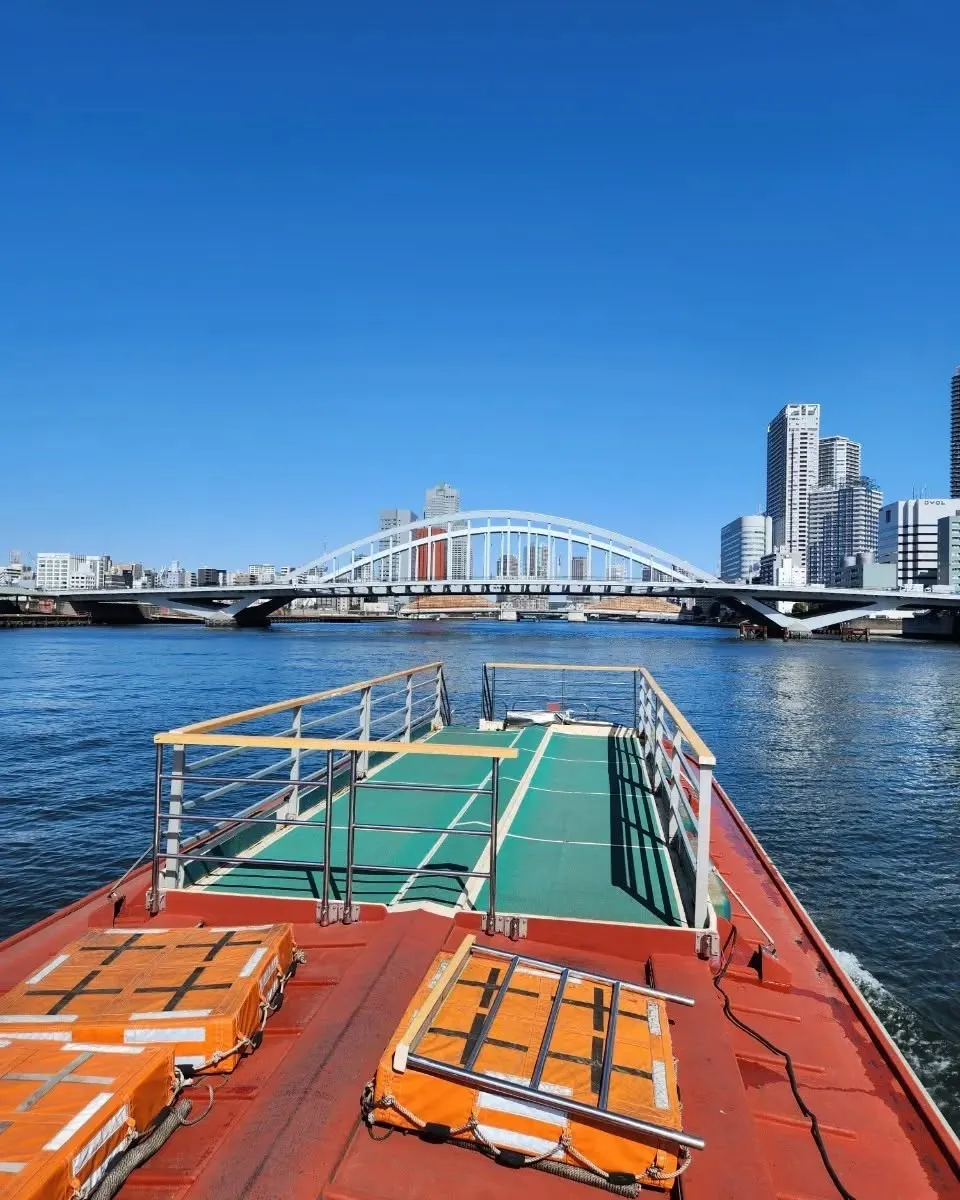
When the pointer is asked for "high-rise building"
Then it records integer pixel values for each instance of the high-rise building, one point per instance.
(441, 501)
(536, 559)
(71, 572)
(948, 553)
(391, 518)
(843, 524)
(955, 435)
(793, 468)
(578, 566)
(839, 462)
(743, 542)
(398, 566)
(907, 535)
(507, 566)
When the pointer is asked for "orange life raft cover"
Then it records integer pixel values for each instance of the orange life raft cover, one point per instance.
(642, 1080)
(201, 991)
(67, 1110)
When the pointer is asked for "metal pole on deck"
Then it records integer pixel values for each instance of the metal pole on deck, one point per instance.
(494, 824)
(172, 870)
(154, 901)
(408, 718)
(365, 703)
(327, 843)
(351, 833)
(700, 908)
(292, 807)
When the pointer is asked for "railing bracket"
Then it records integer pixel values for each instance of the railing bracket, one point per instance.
(338, 911)
(514, 928)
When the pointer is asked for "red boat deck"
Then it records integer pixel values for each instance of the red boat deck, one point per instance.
(286, 1123)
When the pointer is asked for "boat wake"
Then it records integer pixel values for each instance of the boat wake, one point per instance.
(936, 1061)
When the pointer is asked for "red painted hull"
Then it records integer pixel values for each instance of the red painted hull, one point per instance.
(285, 1124)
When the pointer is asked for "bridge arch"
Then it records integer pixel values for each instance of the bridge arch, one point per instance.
(496, 544)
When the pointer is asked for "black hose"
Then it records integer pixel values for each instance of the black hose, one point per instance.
(140, 1151)
(731, 943)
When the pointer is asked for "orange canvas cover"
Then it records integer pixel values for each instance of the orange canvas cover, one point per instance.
(67, 1110)
(200, 991)
(642, 1084)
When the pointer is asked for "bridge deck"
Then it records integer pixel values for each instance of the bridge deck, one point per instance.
(581, 837)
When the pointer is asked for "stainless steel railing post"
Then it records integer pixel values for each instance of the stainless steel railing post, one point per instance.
(494, 824)
(291, 807)
(351, 833)
(701, 897)
(327, 842)
(365, 728)
(154, 897)
(173, 871)
(408, 710)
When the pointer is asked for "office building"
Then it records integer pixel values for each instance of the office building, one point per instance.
(537, 561)
(743, 542)
(839, 462)
(59, 572)
(397, 567)
(948, 552)
(211, 577)
(578, 566)
(507, 566)
(907, 535)
(391, 518)
(441, 501)
(955, 435)
(262, 573)
(793, 470)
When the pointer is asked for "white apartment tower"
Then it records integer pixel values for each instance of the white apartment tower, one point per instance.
(955, 435)
(743, 543)
(839, 462)
(793, 468)
(907, 536)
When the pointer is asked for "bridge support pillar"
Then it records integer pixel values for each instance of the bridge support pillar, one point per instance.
(103, 613)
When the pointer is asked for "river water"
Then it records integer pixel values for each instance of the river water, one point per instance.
(843, 757)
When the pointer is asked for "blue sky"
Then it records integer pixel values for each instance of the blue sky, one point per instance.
(267, 269)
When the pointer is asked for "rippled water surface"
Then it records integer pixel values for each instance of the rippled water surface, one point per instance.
(844, 758)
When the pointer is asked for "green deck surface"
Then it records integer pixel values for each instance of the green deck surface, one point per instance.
(583, 843)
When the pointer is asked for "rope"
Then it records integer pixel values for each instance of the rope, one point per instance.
(129, 871)
(731, 942)
(140, 1151)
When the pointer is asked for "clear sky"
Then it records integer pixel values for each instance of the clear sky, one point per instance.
(267, 268)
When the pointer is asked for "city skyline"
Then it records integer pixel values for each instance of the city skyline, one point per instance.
(210, 331)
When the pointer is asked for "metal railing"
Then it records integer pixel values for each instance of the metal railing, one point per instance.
(569, 692)
(680, 763)
(347, 760)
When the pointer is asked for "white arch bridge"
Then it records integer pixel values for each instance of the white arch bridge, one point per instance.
(497, 552)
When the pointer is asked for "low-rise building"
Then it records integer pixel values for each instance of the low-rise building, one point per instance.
(211, 577)
(783, 569)
(62, 572)
(863, 571)
(948, 552)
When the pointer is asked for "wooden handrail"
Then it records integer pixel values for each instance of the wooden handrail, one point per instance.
(267, 710)
(178, 737)
(556, 667)
(702, 753)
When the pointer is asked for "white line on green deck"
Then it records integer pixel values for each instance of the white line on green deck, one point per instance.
(413, 877)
